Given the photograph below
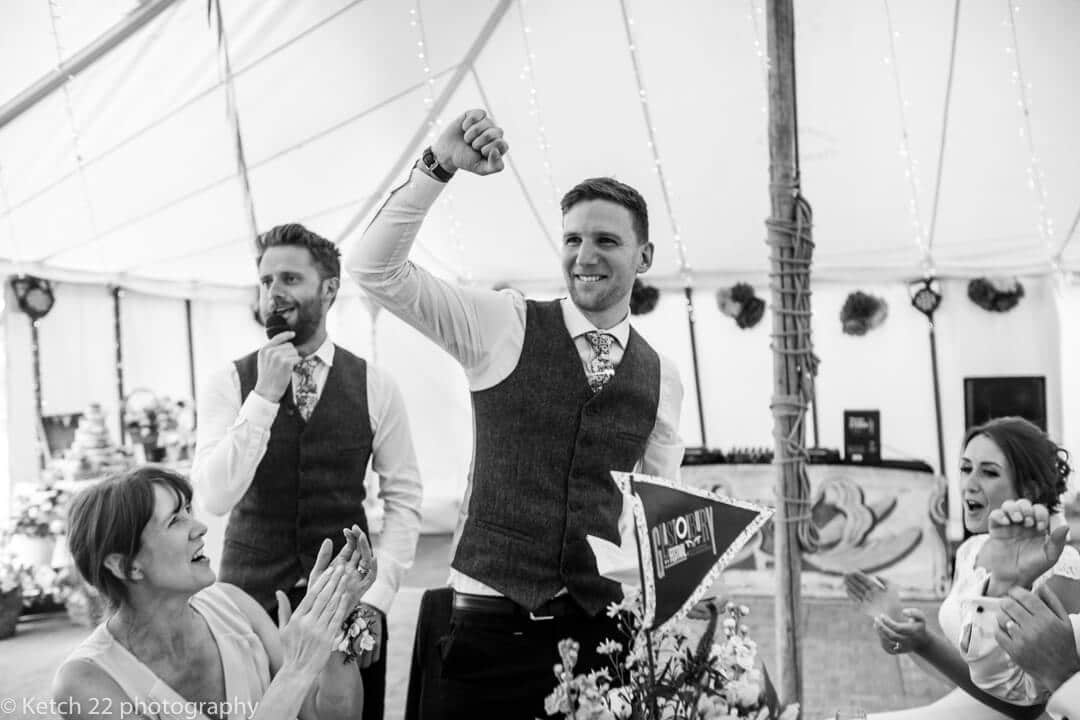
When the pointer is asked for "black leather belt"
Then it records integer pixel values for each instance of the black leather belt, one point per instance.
(558, 607)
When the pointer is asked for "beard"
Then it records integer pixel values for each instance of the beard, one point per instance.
(309, 317)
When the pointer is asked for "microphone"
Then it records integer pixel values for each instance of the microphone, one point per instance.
(275, 325)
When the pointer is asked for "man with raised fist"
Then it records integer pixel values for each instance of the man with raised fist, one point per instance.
(563, 392)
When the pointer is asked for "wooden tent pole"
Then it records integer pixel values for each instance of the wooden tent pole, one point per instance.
(783, 186)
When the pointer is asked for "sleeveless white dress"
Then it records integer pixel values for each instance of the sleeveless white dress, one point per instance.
(243, 657)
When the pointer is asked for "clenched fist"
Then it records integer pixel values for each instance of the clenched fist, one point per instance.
(473, 142)
(277, 359)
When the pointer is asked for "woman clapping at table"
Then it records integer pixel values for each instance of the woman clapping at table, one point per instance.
(181, 645)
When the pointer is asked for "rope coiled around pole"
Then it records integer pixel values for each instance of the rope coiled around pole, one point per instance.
(791, 253)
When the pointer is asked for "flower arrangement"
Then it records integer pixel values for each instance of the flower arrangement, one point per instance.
(712, 677)
(43, 588)
(11, 573)
(41, 512)
(157, 422)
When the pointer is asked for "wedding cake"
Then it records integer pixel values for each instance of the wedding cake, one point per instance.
(92, 450)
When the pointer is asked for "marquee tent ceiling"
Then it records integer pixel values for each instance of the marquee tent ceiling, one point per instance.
(331, 93)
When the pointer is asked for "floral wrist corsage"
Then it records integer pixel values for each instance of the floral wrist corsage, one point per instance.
(357, 631)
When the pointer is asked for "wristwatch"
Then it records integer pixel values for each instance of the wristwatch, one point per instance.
(432, 164)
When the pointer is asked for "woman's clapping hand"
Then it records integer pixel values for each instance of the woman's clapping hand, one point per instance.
(311, 632)
(905, 635)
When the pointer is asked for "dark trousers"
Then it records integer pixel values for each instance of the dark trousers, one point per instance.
(473, 665)
(374, 675)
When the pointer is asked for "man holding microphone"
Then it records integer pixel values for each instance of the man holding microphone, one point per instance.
(284, 439)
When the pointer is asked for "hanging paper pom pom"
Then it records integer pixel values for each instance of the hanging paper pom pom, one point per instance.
(862, 312)
(995, 294)
(740, 302)
(643, 298)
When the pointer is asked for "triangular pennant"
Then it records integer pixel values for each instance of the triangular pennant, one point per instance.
(686, 536)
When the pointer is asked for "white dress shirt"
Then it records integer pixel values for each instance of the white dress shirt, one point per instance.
(232, 437)
(484, 329)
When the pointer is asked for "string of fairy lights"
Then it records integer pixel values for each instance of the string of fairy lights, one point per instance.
(685, 272)
(232, 111)
(416, 21)
(911, 165)
(55, 21)
(1035, 178)
(754, 16)
(528, 75)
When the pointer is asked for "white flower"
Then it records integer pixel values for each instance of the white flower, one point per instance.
(556, 702)
(745, 656)
(746, 695)
(367, 642)
(609, 647)
(619, 700)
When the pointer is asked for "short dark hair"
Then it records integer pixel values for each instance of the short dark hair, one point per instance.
(1040, 467)
(605, 188)
(109, 517)
(324, 254)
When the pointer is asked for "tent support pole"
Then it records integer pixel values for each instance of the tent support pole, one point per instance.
(409, 153)
(143, 13)
(694, 356)
(783, 192)
(937, 395)
(117, 293)
(191, 356)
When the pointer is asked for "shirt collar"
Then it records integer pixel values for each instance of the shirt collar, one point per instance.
(577, 324)
(325, 352)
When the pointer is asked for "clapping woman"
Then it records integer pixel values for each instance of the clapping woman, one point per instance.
(179, 644)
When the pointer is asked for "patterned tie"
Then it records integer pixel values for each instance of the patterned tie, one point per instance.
(599, 369)
(306, 391)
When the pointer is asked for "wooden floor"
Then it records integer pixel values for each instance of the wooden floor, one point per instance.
(842, 663)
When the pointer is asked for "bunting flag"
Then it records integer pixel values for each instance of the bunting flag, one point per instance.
(685, 537)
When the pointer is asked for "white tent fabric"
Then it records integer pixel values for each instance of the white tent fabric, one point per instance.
(330, 94)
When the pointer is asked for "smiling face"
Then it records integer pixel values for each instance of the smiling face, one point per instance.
(290, 286)
(171, 555)
(987, 481)
(601, 257)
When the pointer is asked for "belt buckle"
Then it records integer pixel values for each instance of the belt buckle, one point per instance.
(537, 618)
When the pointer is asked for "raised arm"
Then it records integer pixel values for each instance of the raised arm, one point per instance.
(466, 322)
